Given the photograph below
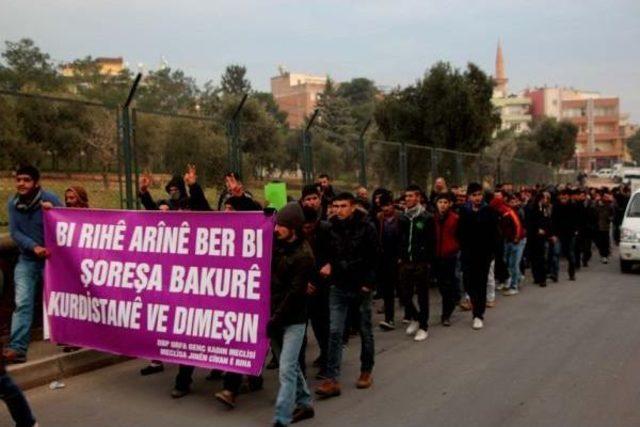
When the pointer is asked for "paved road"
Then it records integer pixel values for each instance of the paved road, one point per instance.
(567, 355)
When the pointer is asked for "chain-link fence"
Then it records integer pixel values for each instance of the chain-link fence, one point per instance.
(107, 149)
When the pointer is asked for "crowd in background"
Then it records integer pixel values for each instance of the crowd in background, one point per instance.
(339, 256)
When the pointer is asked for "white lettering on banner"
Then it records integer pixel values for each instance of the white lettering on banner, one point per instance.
(117, 274)
(216, 324)
(160, 239)
(64, 233)
(215, 241)
(251, 243)
(102, 236)
(121, 314)
(219, 282)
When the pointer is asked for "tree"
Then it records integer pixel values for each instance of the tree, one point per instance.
(269, 103)
(361, 94)
(633, 143)
(100, 143)
(234, 81)
(27, 67)
(555, 141)
(169, 91)
(445, 109)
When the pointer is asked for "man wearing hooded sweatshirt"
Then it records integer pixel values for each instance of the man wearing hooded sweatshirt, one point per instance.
(478, 228)
(417, 243)
(184, 193)
(446, 254)
(292, 269)
(27, 231)
(513, 234)
(353, 253)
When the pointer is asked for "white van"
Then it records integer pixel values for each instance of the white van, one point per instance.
(630, 234)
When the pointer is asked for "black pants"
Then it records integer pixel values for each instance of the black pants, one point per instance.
(475, 275)
(537, 256)
(583, 247)
(17, 404)
(388, 279)
(603, 243)
(319, 317)
(501, 272)
(414, 279)
(444, 271)
(568, 251)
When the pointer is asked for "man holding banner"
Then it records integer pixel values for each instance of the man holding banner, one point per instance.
(292, 269)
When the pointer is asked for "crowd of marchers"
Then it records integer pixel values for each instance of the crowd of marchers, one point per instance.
(338, 256)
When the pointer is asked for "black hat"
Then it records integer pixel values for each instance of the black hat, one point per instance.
(310, 189)
(473, 187)
(443, 195)
(290, 216)
(29, 170)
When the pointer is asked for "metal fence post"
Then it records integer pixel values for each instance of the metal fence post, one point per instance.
(362, 155)
(134, 144)
(404, 173)
(233, 137)
(307, 150)
(126, 143)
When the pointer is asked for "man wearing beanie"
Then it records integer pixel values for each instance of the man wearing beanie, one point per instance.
(292, 268)
(27, 231)
(478, 228)
(311, 198)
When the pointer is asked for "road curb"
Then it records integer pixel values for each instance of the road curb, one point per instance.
(61, 366)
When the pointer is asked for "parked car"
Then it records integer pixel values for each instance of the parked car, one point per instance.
(605, 173)
(630, 234)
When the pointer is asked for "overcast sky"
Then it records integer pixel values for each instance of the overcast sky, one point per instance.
(587, 44)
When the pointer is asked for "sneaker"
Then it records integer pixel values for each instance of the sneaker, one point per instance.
(605, 260)
(273, 364)
(151, 369)
(446, 322)
(387, 326)
(554, 279)
(177, 393)
(543, 284)
(572, 278)
(328, 388)
(491, 304)
(227, 398)
(302, 413)
(465, 305)
(510, 292)
(421, 335)
(365, 380)
(406, 321)
(477, 323)
(501, 286)
(321, 375)
(413, 328)
(11, 356)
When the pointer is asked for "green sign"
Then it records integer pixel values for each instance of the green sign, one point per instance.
(275, 194)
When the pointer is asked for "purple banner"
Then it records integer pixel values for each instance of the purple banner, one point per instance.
(182, 287)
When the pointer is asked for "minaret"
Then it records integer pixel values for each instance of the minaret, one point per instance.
(500, 76)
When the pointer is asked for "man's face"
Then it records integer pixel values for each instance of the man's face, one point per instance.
(231, 183)
(25, 184)
(411, 199)
(443, 206)
(440, 184)
(324, 182)
(70, 199)
(461, 198)
(174, 192)
(563, 199)
(283, 233)
(476, 198)
(165, 208)
(388, 210)
(308, 228)
(312, 201)
(344, 208)
(362, 193)
(514, 203)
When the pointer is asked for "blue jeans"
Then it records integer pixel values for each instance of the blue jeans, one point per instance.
(16, 402)
(27, 276)
(293, 387)
(339, 302)
(512, 257)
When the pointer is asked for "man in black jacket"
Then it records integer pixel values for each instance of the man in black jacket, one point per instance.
(292, 268)
(478, 228)
(417, 244)
(564, 230)
(184, 193)
(352, 259)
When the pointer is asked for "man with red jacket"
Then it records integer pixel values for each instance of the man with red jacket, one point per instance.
(513, 234)
(446, 254)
